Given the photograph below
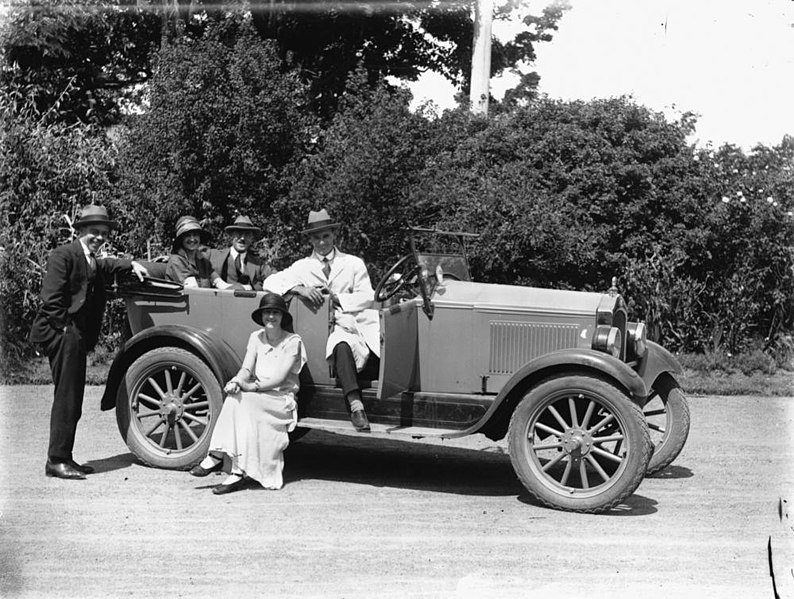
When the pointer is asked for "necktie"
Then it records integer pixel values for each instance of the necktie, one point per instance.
(326, 267)
(238, 264)
(91, 264)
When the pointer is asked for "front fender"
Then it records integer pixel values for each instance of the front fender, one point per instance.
(218, 355)
(656, 361)
(566, 361)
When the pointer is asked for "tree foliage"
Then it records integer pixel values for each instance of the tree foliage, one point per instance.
(104, 50)
(223, 125)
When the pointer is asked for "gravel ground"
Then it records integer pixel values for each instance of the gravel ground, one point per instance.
(363, 517)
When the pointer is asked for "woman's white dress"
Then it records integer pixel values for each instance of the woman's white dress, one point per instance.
(253, 426)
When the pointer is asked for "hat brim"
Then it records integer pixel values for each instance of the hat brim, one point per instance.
(286, 317)
(231, 228)
(204, 236)
(322, 226)
(95, 221)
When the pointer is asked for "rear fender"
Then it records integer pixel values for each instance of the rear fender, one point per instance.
(218, 355)
(563, 362)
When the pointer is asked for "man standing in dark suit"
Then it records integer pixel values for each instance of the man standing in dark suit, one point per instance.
(236, 265)
(67, 327)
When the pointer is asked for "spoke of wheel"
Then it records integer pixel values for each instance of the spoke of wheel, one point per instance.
(197, 405)
(148, 415)
(566, 473)
(609, 439)
(168, 382)
(558, 418)
(164, 435)
(572, 408)
(594, 463)
(655, 427)
(193, 418)
(181, 382)
(588, 414)
(607, 455)
(148, 400)
(157, 388)
(583, 474)
(654, 413)
(188, 430)
(606, 420)
(552, 462)
(193, 389)
(152, 429)
(178, 437)
(550, 446)
(548, 429)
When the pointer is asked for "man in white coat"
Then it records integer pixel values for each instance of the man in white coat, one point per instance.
(356, 332)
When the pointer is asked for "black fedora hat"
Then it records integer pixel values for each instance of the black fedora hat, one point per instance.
(273, 301)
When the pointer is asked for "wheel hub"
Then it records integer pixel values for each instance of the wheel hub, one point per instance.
(576, 442)
(171, 408)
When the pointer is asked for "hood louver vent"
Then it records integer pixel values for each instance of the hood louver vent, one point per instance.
(513, 344)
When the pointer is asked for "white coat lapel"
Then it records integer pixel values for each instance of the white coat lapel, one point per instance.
(337, 266)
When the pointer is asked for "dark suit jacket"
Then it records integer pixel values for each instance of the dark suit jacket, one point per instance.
(255, 268)
(65, 297)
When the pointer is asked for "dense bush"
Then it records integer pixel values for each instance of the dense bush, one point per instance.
(48, 170)
(222, 127)
(570, 194)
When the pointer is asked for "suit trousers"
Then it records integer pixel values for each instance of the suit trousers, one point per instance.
(67, 356)
(345, 366)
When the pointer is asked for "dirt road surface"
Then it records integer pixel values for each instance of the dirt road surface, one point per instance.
(362, 517)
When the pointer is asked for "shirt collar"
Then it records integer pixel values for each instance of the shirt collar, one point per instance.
(234, 253)
(86, 251)
(329, 256)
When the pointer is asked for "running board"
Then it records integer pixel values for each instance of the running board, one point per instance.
(345, 427)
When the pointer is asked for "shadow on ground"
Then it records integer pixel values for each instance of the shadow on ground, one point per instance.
(385, 463)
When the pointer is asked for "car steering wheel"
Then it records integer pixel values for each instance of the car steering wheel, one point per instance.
(406, 270)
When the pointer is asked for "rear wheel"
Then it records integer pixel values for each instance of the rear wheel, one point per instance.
(667, 415)
(578, 443)
(167, 407)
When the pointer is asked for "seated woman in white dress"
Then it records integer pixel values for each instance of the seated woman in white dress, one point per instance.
(260, 408)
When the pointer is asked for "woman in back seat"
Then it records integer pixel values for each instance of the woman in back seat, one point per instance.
(187, 265)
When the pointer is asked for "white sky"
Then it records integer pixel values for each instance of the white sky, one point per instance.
(729, 61)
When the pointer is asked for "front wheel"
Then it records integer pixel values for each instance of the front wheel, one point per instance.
(578, 443)
(167, 407)
(667, 414)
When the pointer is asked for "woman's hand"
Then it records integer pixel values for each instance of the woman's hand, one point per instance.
(249, 386)
(232, 386)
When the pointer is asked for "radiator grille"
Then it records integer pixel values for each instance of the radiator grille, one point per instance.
(513, 344)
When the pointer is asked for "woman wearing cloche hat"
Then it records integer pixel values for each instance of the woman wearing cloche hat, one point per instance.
(260, 409)
(187, 265)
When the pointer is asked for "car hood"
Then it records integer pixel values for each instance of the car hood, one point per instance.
(488, 296)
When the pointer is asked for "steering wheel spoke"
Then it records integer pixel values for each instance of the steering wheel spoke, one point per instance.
(403, 275)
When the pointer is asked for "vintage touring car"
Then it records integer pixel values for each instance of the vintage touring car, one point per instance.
(588, 404)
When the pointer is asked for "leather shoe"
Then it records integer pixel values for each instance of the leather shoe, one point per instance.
(63, 470)
(199, 470)
(231, 487)
(359, 420)
(82, 467)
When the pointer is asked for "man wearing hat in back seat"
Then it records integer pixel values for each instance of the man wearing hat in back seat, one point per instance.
(67, 328)
(236, 264)
(344, 278)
